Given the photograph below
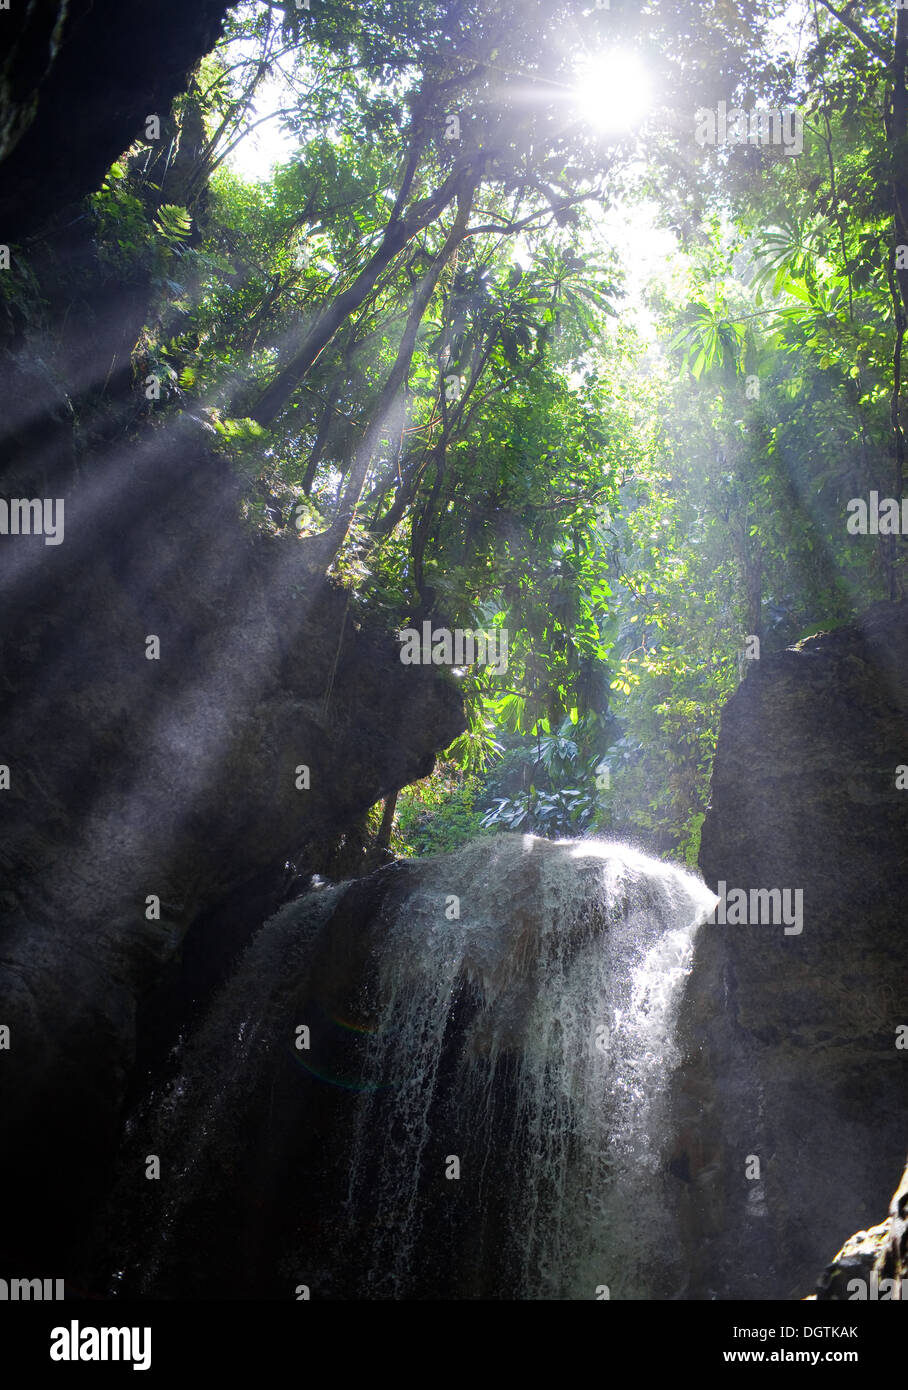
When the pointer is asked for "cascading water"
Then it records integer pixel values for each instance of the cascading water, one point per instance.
(480, 1111)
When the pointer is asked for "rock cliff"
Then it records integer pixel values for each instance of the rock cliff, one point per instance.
(166, 671)
(792, 1056)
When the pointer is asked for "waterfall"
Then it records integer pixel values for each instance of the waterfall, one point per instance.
(480, 1110)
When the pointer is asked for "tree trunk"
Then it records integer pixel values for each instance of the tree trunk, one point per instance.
(334, 538)
(397, 234)
(383, 839)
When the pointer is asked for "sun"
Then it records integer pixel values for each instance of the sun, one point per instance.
(613, 92)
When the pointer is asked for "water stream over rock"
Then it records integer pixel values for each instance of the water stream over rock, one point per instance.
(480, 1111)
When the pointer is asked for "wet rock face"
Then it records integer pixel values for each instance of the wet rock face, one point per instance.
(149, 796)
(791, 1038)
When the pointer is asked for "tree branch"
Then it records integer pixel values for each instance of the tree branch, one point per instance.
(872, 44)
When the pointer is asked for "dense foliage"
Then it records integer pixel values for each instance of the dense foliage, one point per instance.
(414, 339)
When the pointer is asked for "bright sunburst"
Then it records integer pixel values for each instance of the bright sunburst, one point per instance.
(613, 92)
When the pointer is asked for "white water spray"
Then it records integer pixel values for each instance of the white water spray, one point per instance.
(508, 1012)
(574, 954)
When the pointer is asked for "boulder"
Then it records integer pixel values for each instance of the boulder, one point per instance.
(791, 1109)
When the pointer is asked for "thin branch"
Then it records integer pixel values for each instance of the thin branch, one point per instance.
(509, 228)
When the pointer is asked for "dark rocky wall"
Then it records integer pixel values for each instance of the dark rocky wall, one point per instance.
(132, 777)
(174, 777)
(791, 1039)
(76, 84)
(31, 42)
